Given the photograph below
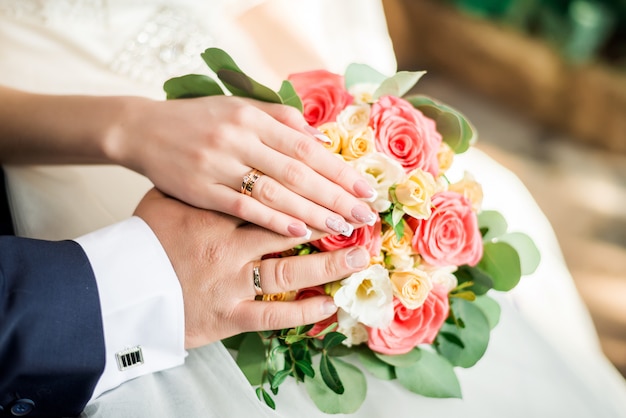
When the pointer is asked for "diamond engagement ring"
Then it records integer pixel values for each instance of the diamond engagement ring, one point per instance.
(249, 180)
(256, 278)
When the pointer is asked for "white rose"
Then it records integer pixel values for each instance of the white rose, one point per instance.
(354, 118)
(363, 92)
(381, 172)
(367, 296)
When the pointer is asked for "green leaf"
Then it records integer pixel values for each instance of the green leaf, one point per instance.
(251, 358)
(289, 96)
(305, 367)
(401, 360)
(376, 366)
(329, 375)
(235, 80)
(493, 223)
(262, 394)
(330, 402)
(475, 335)
(362, 73)
(482, 282)
(526, 249)
(277, 379)
(191, 85)
(433, 376)
(233, 342)
(398, 84)
(333, 339)
(501, 262)
(292, 339)
(452, 338)
(454, 128)
(490, 308)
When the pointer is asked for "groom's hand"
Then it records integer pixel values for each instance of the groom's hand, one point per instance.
(214, 256)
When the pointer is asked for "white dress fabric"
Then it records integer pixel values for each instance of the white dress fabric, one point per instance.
(544, 359)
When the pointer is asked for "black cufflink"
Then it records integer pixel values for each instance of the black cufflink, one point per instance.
(128, 358)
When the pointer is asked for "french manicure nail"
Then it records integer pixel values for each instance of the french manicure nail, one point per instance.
(317, 134)
(357, 258)
(328, 307)
(299, 230)
(364, 215)
(339, 225)
(364, 190)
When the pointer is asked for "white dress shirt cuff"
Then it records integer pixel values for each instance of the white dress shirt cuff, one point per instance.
(140, 298)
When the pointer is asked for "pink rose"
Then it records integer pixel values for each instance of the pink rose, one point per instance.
(310, 292)
(323, 95)
(405, 134)
(411, 327)
(451, 235)
(367, 236)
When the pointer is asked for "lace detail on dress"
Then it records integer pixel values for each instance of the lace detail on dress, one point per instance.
(169, 44)
(52, 10)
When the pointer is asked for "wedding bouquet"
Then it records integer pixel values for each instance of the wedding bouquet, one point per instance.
(422, 306)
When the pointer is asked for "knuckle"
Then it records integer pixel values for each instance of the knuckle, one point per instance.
(284, 275)
(239, 208)
(270, 317)
(268, 192)
(243, 113)
(332, 267)
(295, 173)
(304, 148)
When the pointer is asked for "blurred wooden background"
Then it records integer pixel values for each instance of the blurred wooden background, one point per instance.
(560, 128)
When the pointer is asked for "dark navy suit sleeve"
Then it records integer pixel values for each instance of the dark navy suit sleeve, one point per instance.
(51, 337)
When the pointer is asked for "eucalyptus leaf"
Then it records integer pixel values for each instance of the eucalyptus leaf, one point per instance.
(239, 84)
(251, 358)
(376, 366)
(454, 128)
(362, 73)
(399, 84)
(492, 223)
(502, 263)
(475, 335)
(191, 85)
(330, 402)
(401, 360)
(526, 249)
(490, 308)
(289, 96)
(433, 376)
(482, 282)
(233, 342)
(235, 80)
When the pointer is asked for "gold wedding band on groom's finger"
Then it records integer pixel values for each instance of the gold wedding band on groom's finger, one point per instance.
(247, 184)
(256, 278)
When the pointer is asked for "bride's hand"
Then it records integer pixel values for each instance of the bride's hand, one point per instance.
(214, 256)
(199, 150)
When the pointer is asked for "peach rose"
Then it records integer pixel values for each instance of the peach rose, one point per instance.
(358, 144)
(323, 95)
(411, 327)
(469, 188)
(336, 135)
(405, 134)
(366, 236)
(451, 235)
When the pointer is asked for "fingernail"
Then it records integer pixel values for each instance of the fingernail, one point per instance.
(339, 225)
(364, 215)
(328, 307)
(317, 134)
(358, 258)
(299, 230)
(364, 190)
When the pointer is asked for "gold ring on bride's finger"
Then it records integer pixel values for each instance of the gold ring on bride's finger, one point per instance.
(256, 278)
(247, 184)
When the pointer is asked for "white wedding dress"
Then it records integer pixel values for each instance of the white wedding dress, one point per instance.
(544, 358)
